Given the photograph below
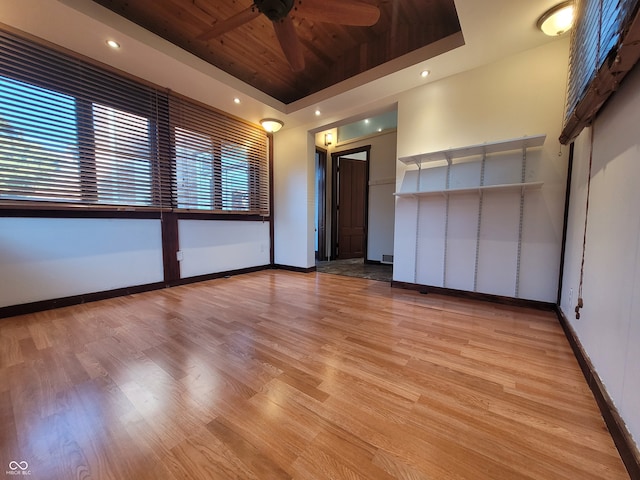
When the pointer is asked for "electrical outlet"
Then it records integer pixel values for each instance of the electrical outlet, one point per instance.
(570, 296)
(179, 255)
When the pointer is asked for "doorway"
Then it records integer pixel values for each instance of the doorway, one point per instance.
(350, 195)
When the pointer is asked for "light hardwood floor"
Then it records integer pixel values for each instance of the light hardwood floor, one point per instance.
(276, 375)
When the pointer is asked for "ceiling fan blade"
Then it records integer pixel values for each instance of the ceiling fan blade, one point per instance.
(341, 12)
(290, 44)
(224, 26)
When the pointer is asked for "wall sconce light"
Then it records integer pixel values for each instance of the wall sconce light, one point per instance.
(557, 20)
(271, 125)
(328, 139)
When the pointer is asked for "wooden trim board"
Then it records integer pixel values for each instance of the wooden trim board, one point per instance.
(516, 302)
(41, 305)
(617, 428)
(294, 269)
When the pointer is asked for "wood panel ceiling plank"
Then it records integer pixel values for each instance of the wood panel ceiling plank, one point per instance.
(332, 52)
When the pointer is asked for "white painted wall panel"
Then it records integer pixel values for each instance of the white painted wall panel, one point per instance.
(47, 258)
(506, 167)
(431, 178)
(294, 198)
(220, 246)
(461, 241)
(498, 255)
(404, 247)
(609, 325)
(539, 257)
(464, 175)
(382, 168)
(430, 259)
(381, 220)
(630, 399)
(613, 256)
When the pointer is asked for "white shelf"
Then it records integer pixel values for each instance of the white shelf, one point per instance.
(449, 159)
(471, 150)
(479, 190)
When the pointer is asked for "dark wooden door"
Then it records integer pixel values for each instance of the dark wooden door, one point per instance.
(352, 186)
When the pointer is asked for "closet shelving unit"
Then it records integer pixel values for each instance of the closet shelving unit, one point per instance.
(479, 153)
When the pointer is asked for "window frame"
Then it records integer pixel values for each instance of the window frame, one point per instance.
(221, 128)
(164, 166)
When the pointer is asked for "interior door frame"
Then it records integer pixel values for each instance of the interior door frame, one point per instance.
(335, 157)
(321, 206)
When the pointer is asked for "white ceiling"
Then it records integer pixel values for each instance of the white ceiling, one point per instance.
(492, 29)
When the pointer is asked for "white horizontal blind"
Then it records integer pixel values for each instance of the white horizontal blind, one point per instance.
(73, 133)
(597, 35)
(221, 163)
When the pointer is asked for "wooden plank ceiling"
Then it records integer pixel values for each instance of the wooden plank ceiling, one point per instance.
(332, 53)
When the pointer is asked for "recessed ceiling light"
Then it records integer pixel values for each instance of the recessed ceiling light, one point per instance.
(317, 113)
(236, 100)
(366, 121)
(379, 129)
(424, 73)
(113, 44)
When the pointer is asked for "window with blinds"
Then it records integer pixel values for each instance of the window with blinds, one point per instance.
(75, 135)
(220, 162)
(39, 154)
(602, 52)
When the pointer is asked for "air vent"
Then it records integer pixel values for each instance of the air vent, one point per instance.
(387, 259)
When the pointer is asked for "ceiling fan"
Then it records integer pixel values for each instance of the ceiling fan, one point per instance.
(341, 12)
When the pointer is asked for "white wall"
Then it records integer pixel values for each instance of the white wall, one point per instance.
(294, 198)
(609, 325)
(518, 96)
(47, 258)
(219, 246)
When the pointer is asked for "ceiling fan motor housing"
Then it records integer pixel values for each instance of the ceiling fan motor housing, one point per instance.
(274, 10)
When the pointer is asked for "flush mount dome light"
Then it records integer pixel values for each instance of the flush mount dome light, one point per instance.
(557, 20)
(271, 125)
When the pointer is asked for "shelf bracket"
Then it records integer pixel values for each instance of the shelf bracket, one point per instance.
(417, 245)
(479, 225)
(446, 221)
(521, 223)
